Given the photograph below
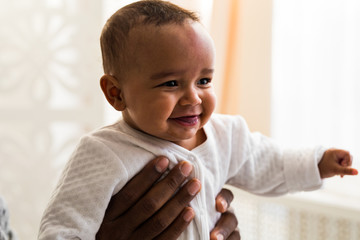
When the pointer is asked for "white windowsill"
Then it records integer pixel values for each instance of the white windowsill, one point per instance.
(322, 201)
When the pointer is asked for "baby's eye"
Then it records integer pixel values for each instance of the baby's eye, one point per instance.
(172, 83)
(204, 81)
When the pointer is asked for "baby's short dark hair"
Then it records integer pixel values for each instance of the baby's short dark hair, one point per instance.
(114, 35)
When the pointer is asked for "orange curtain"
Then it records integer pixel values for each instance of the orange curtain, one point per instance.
(241, 30)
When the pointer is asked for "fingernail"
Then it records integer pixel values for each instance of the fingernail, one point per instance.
(224, 204)
(354, 172)
(189, 215)
(219, 236)
(186, 168)
(161, 165)
(194, 188)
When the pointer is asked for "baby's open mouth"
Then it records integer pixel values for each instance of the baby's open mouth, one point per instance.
(187, 120)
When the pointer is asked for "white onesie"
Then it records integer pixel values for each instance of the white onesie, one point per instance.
(106, 159)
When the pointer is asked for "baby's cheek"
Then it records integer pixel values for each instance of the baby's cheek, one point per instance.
(210, 103)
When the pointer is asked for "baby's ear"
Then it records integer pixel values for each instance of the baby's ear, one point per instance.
(110, 87)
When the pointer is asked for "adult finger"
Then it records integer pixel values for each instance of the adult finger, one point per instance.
(136, 188)
(178, 226)
(169, 212)
(223, 200)
(158, 195)
(226, 225)
(235, 235)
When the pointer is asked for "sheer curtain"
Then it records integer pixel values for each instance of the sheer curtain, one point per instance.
(50, 64)
(316, 81)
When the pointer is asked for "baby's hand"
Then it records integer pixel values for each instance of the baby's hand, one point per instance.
(336, 162)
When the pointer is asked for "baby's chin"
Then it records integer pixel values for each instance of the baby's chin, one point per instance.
(191, 141)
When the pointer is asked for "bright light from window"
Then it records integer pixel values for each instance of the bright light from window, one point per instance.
(316, 78)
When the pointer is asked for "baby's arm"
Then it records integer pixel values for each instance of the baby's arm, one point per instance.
(336, 162)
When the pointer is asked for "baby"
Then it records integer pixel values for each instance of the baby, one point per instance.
(159, 63)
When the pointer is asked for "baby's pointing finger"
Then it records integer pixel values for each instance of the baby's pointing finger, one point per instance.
(348, 171)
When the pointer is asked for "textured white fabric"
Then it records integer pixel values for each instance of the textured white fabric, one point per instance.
(107, 158)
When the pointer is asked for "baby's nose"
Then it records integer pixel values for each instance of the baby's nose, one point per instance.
(190, 97)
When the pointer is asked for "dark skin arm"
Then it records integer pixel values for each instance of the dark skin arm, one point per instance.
(145, 210)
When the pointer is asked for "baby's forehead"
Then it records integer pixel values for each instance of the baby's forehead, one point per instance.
(189, 34)
(166, 44)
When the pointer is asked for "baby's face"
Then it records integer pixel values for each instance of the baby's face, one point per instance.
(168, 91)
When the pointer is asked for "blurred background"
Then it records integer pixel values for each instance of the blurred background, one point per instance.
(291, 68)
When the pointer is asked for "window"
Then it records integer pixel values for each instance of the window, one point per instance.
(316, 79)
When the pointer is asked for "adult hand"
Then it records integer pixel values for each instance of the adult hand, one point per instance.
(142, 210)
(134, 212)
